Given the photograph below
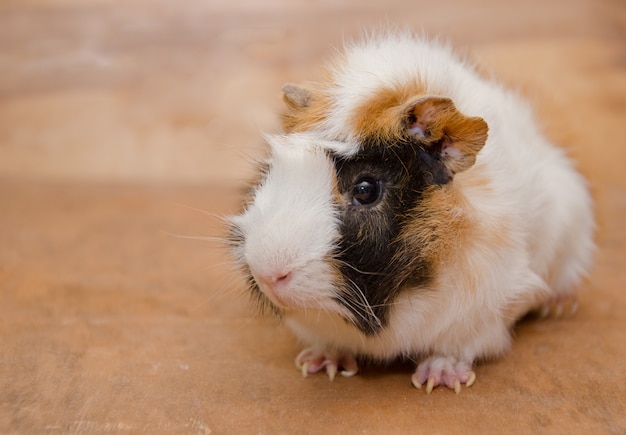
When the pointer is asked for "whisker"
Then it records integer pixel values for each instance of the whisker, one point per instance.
(221, 218)
(357, 304)
(354, 310)
(200, 238)
(352, 304)
(225, 266)
(358, 270)
(365, 303)
(354, 322)
(230, 285)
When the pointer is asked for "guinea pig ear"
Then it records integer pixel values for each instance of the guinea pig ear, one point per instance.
(437, 123)
(296, 96)
(306, 107)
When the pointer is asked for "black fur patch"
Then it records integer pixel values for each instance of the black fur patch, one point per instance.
(376, 263)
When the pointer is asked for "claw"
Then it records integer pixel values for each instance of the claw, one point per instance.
(457, 386)
(305, 369)
(471, 380)
(415, 381)
(430, 384)
(349, 373)
(350, 366)
(331, 370)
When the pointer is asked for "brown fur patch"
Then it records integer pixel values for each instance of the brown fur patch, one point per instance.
(442, 224)
(382, 116)
(450, 235)
(473, 179)
(391, 113)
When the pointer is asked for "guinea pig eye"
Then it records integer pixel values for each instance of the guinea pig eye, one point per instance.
(366, 191)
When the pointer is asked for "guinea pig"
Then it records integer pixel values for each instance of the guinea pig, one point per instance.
(410, 209)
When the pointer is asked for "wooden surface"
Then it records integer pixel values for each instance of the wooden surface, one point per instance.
(125, 125)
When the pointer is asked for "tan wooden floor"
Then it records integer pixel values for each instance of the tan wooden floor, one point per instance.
(121, 122)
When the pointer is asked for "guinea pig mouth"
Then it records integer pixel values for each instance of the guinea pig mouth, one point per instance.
(296, 289)
(276, 289)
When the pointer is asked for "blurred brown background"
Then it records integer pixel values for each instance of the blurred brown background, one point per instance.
(123, 122)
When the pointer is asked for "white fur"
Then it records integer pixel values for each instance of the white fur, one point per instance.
(292, 224)
(534, 199)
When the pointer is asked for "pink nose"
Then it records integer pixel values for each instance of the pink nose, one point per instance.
(274, 280)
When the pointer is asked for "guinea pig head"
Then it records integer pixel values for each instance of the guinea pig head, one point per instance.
(346, 227)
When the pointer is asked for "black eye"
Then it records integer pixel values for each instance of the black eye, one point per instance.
(365, 191)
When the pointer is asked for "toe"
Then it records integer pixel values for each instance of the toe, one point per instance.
(309, 361)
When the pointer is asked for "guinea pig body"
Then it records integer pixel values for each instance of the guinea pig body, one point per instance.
(411, 209)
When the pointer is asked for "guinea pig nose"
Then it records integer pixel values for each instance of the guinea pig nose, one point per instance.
(283, 277)
(275, 279)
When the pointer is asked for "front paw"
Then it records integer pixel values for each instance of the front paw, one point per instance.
(446, 371)
(313, 361)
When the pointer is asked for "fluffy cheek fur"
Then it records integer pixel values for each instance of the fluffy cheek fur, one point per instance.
(287, 237)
